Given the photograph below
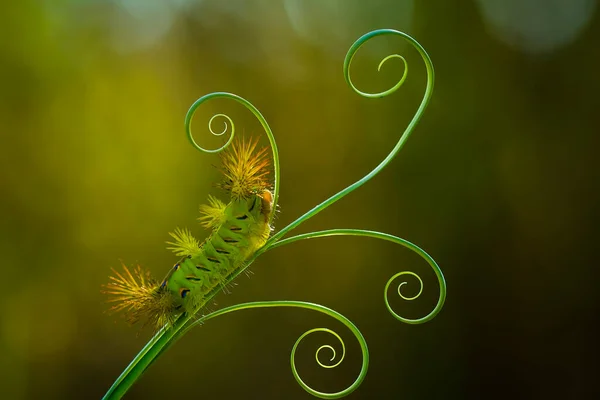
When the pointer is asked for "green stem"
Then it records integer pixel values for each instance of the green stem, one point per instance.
(143, 360)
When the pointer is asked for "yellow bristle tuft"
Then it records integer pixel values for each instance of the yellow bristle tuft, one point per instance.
(213, 214)
(185, 244)
(245, 170)
(139, 297)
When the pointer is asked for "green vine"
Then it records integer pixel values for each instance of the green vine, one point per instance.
(167, 336)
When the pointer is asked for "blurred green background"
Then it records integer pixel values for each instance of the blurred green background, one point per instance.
(499, 183)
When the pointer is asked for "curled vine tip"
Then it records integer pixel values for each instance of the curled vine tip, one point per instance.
(315, 307)
(404, 283)
(394, 239)
(188, 129)
(352, 52)
(403, 138)
(229, 123)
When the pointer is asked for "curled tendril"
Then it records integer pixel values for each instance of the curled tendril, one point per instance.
(385, 92)
(188, 130)
(394, 239)
(325, 346)
(231, 135)
(309, 306)
(426, 97)
(224, 130)
(404, 283)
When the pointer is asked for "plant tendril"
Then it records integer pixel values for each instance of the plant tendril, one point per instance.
(405, 135)
(394, 239)
(326, 346)
(214, 133)
(224, 130)
(310, 306)
(404, 283)
(257, 114)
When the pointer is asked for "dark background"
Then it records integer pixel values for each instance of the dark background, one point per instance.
(499, 183)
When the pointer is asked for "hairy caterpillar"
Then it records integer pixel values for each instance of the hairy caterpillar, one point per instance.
(239, 228)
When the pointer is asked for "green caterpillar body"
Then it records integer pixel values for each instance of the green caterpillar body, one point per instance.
(244, 229)
(239, 229)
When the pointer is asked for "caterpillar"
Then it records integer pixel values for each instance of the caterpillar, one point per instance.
(238, 229)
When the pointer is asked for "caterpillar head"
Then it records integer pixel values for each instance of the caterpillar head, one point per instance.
(266, 203)
(259, 206)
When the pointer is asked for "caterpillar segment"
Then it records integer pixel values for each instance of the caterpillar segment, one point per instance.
(239, 229)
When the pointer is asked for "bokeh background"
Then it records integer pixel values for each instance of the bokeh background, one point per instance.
(499, 183)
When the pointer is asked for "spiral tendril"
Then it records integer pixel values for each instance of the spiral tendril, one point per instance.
(394, 239)
(232, 134)
(188, 130)
(385, 92)
(405, 135)
(225, 129)
(326, 346)
(310, 306)
(404, 283)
